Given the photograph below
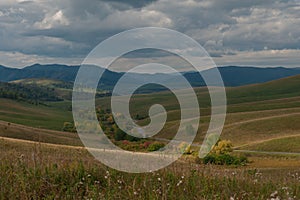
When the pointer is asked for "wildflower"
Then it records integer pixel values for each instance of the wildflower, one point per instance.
(274, 194)
(179, 183)
(258, 174)
(158, 179)
(277, 198)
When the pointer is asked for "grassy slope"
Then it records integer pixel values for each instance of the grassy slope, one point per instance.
(283, 144)
(62, 89)
(17, 131)
(255, 112)
(48, 117)
(267, 110)
(42, 82)
(36, 171)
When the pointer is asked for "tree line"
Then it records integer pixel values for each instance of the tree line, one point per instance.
(30, 93)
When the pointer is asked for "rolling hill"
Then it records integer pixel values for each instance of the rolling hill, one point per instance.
(31, 93)
(256, 112)
(232, 75)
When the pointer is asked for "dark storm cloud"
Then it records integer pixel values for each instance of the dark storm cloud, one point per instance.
(71, 28)
(132, 3)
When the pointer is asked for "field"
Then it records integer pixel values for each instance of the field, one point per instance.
(49, 117)
(40, 161)
(40, 171)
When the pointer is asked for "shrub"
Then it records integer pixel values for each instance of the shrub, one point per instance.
(125, 142)
(209, 159)
(132, 138)
(69, 127)
(146, 144)
(185, 148)
(155, 146)
(120, 135)
(220, 155)
(224, 159)
(222, 147)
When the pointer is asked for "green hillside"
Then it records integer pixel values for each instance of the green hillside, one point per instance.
(45, 82)
(282, 88)
(284, 144)
(255, 112)
(51, 116)
(264, 96)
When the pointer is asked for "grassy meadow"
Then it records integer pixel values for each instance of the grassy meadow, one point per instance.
(40, 161)
(40, 171)
(40, 116)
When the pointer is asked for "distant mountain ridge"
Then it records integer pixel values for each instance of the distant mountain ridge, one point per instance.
(232, 75)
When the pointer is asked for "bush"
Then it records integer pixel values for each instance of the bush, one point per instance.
(185, 148)
(224, 159)
(132, 138)
(209, 159)
(220, 155)
(155, 146)
(222, 147)
(146, 144)
(69, 127)
(126, 145)
(120, 135)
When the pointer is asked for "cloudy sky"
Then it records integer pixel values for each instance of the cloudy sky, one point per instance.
(235, 32)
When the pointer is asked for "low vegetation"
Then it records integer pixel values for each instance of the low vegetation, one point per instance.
(31, 171)
(29, 93)
(265, 120)
(221, 155)
(284, 144)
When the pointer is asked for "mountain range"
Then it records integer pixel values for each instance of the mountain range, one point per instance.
(232, 75)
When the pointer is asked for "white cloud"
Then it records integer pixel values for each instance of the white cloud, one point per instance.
(20, 60)
(136, 18)
(227, 29)
(264, 58)
(51, 21)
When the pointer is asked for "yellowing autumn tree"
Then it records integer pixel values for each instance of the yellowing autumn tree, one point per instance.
(222, 147)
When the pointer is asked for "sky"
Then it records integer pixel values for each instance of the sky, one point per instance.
(264, 33)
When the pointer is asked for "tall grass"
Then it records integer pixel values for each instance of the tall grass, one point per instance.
(39, 172)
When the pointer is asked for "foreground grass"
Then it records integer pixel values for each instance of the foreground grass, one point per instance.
(29, 171)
